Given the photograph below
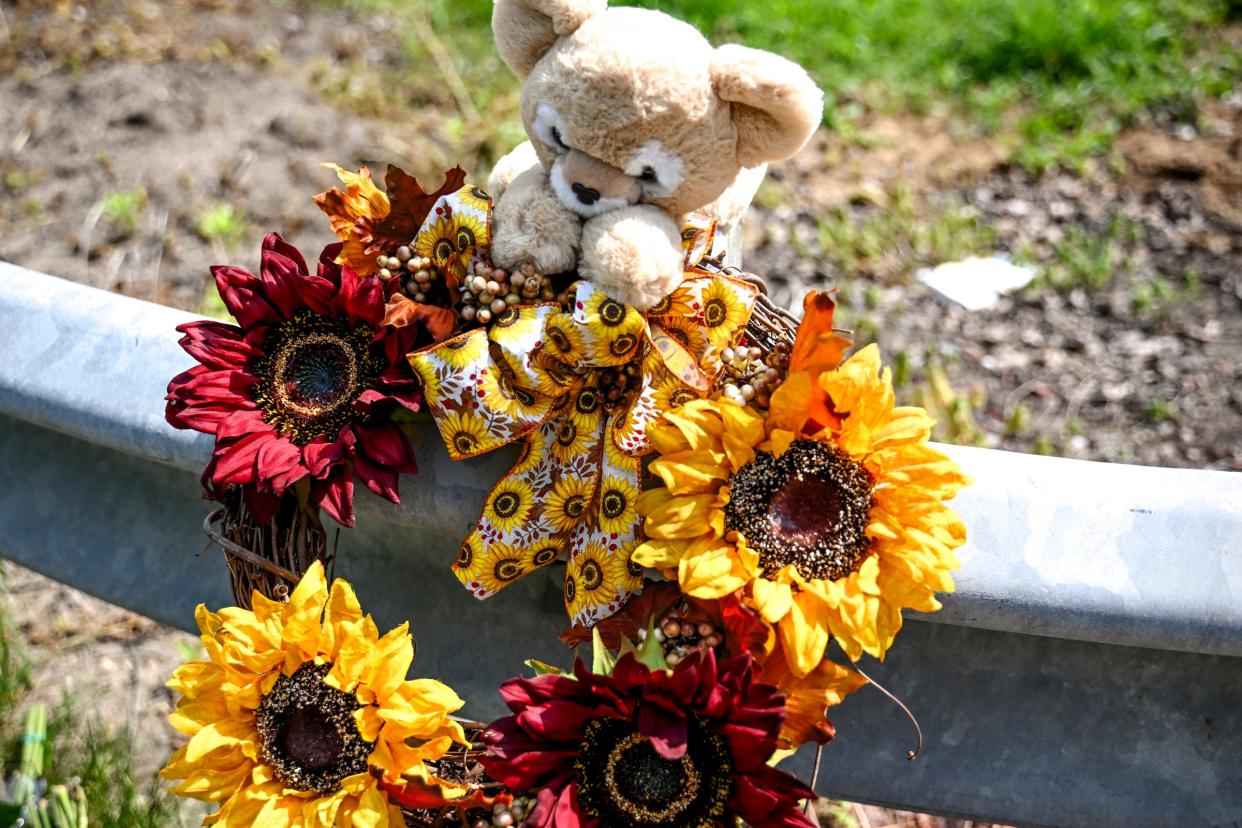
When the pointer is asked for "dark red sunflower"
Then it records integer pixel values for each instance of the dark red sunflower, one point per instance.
(641, 747)
(302, 387)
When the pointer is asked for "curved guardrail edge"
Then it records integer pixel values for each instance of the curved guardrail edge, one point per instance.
(1088, 551)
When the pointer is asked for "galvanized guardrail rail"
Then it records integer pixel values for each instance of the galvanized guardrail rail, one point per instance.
(1087, 672)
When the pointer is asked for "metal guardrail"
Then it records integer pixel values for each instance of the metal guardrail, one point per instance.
(1087, 672)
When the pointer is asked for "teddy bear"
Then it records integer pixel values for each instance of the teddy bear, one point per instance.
(635, 121)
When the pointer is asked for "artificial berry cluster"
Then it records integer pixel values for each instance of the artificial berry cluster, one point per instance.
(416, 272)
(615, 381)
(487, 291)
(505, 816)
(680, 636)
(752, 375)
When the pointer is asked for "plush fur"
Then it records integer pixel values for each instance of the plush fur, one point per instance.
(635, 121)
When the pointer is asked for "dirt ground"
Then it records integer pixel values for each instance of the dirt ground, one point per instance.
(188, 105)
(87, 649)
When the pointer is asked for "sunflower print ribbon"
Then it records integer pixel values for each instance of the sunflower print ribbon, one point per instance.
(456, 227)
(578, 387)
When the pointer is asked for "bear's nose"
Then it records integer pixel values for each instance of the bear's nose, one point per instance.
(587, 195)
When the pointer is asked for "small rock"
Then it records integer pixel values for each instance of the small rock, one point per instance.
(976, 283)
(1018, 208)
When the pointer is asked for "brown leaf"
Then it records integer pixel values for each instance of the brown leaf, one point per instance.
(656, 597)
(402, 311)
(410, 205)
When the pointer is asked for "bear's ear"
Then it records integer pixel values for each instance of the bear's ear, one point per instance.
(776, 105)
(526, 29)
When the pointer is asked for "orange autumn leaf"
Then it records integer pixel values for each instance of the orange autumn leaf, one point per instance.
(817, 349)
(371, 222)
(402, 311)
(360, 199)
(350, 213)
(808, 698)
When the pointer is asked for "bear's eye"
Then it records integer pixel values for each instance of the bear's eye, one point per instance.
(557, 139)
(648, 174)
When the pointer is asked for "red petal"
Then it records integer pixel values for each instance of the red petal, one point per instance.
(378, 479)
(321, 454)
(235, 462)
(336, 495)
(239, 423)
(387, 445)
(282, 269)
(242, 293)
(666, 730)
(216, 344)
(279, 462)
(263, 506)
(361, 299)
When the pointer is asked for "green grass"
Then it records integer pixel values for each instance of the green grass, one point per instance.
(122, 209)
(1056, 78)
(1086, 259)
(78, 749)
(1157, 297)
(888, 242)
(222, 223)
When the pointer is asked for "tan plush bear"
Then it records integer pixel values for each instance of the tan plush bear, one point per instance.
(635, 121)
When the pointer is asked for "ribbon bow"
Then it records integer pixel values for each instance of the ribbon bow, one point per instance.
(578, 387)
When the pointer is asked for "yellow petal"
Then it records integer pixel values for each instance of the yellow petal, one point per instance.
(787, 410)
(711, 570)
(227, 733)
(660, 554)
(669, 518)
(372, 810)
(772, 599)
(390, 662)
(698, 422)
(803, 637)
(692, 472)
(303, 616)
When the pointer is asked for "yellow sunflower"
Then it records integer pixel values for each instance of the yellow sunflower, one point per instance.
(450, 242)
(571, 440)
(679, 303)
(503, 394)
(596, 583)
(429, 379)
(467, 432)
(617, 460)
(615, 330)
(724, 312)
(671, 393)
(463, 351)
(568, 502)
(509, 505)
(476, 198)
(618, 504)
(832, 533)
(497, 567)
(301, 709)
(538, 555)
(587, 407)
(470, 551)
(690, 335)
(532, 453)
(563, 337)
